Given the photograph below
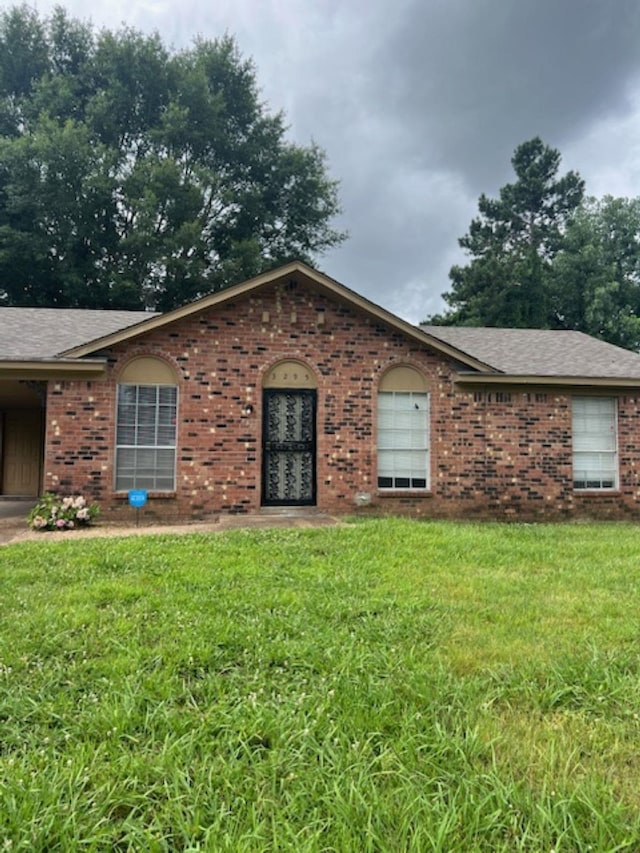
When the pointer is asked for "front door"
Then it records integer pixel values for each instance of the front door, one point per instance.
(289, 447)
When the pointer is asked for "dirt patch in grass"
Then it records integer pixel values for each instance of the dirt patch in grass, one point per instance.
(15, 530)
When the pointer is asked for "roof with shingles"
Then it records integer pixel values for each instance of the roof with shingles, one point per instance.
(33, 333)
(48, 333)
(540, 352)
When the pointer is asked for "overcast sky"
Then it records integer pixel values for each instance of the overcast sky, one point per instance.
(419, 105)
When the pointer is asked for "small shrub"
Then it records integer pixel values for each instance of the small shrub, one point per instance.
(53, 512)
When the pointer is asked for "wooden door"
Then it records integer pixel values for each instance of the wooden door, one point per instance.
(22, 448)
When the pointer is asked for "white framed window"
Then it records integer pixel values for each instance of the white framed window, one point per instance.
(595, 443)
(146, 437)
(403, 440)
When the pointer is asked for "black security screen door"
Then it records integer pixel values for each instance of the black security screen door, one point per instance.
(289, 448)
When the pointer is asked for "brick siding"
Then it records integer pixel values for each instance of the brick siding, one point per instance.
(501, 453)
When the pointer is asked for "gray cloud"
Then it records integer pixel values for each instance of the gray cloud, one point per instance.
(474, 78)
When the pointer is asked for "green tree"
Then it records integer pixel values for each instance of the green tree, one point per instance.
(512, 244)
(594, 285)
(134, 176)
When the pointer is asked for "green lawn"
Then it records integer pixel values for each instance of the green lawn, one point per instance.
(386, 686)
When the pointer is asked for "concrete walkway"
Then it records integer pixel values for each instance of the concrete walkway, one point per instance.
(16, 508)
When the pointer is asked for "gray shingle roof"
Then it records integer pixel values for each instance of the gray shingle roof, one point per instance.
(31, 333)
(37, 333)
(540, 352)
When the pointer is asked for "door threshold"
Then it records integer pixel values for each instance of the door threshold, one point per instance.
(16, 498)
(290, 510)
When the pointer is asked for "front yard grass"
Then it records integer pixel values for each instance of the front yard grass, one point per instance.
(387, 686)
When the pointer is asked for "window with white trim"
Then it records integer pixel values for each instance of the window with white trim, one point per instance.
(146, 437)
(403, 430)
(595, 443)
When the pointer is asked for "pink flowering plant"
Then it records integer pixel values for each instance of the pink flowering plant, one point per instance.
(53, 512)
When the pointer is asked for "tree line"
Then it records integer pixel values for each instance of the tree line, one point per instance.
(544, 255)
(134, 176)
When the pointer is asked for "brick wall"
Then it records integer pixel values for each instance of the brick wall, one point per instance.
(494, 453)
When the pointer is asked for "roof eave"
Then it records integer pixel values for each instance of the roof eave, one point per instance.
(52, 368)
(532, 379)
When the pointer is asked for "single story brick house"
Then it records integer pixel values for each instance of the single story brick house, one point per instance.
(292, 390)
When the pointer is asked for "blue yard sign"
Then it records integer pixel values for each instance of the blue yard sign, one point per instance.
(137, 497)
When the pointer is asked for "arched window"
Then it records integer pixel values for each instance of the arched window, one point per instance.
(147, 407)
(403, 430)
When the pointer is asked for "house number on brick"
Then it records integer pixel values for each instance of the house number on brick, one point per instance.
(288, 376)
(292, 376)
